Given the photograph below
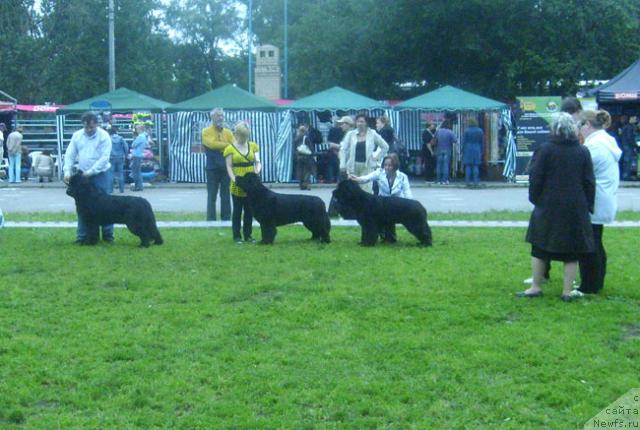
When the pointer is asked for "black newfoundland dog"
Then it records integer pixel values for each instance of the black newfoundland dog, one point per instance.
(273, 209)
(379, 215)
(98, 208)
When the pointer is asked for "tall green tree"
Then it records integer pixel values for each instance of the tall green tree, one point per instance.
(203, 26)
(20, 64)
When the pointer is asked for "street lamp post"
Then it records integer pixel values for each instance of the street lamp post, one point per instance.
(112, 49)
(249, 14)
(286, 51)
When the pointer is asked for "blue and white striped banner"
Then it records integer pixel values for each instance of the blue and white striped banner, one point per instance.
(509, 170)
(186, 154)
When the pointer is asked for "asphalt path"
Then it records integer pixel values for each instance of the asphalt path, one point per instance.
(192, 198)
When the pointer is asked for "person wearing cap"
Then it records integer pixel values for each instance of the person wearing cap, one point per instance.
(336, 133)
(364, 149)
(14, 151)
(346, 124)
(215, 140)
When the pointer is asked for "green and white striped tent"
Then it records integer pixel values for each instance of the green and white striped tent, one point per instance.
(187, 119)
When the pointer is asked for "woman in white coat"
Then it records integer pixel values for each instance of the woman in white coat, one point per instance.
(605, 155)
(362, 150)
(391, 183)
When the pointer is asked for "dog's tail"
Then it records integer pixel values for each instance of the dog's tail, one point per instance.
(157, 238)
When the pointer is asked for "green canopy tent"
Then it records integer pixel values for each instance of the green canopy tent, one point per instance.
(449, 101)
(228, 97)
(123, 101)
(188, 118)
(334, 99)
(313, 109)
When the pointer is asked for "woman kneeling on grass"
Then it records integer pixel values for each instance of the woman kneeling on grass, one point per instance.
(241, 158)
(562, 189)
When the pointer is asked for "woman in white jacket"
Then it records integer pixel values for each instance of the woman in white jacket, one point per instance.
(605, 155)
(362, 150)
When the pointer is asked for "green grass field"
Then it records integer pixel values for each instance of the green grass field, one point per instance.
(197, 216)
(201, 333)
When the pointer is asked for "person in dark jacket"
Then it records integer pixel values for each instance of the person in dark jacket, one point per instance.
(562, 189)
(428, 152)
(629, 147)
(386, 131)
(445, 141)
(472, 145)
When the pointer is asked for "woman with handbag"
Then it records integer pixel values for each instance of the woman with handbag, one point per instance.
(305, 162)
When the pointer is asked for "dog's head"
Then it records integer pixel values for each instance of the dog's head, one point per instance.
(345, 199)
(347, 191)
(79, 186)
(249, 183)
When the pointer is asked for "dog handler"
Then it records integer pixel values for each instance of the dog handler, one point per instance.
(89, 152)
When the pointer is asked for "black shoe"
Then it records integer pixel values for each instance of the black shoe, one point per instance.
(107, 239)
(529, 295)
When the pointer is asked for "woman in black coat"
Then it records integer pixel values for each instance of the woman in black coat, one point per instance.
(562, 189)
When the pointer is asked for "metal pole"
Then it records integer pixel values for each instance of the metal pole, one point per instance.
(250, 12)
(112, 49)
(286, 51)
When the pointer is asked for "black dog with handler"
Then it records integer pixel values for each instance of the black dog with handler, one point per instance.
(97, 208)
(378, 215)
(273, 209)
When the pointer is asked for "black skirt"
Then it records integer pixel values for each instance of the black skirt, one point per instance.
(555, 256)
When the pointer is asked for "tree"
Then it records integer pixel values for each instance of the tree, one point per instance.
(20, 55)
(204, 25)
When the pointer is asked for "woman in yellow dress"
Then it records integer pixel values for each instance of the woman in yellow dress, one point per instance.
(241, 157)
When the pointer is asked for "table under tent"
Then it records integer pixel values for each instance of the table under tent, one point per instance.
(187, 119)
(318, 110)
(121, 104)
(494, 117)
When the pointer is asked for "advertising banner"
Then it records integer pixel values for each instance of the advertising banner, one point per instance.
(536, 115)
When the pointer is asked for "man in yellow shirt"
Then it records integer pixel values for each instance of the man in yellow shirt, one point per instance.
(215, 139)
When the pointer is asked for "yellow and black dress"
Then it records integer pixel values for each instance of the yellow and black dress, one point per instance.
(241, 164)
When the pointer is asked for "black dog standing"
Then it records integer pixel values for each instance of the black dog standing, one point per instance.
(377, 214)
(273, 209)
(97, 208)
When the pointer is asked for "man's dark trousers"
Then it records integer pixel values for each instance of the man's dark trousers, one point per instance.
(593, 266)
(218, 179)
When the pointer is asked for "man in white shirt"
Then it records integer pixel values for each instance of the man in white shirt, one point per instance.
(89, 152)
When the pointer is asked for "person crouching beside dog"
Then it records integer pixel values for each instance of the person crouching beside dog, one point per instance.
(89, 151)
(391, 182)
(362, 148)
(241, 157)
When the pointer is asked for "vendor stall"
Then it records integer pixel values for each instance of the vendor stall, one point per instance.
(458, 105)
(318, 110)
(188, 118)
(123, 103)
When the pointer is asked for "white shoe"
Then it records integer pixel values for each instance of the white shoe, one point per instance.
(529, 281)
